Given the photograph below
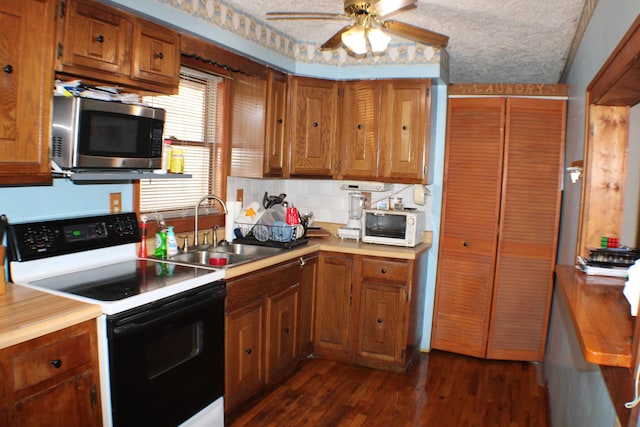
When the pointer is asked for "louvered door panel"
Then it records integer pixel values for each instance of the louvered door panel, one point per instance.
(529, 228)
(360, 130)
(472, 180)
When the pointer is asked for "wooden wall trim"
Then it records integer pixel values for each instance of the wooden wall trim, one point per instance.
(616, 77)
(206, 52)
(506, 89)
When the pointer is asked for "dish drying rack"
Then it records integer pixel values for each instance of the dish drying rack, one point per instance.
(275, 235)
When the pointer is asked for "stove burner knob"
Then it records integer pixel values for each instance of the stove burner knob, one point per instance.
(56, 363)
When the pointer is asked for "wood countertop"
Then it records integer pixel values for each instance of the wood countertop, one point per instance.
(334, 244)
(27, 314)
(600, 314)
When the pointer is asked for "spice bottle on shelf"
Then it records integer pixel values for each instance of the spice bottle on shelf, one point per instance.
(177, 161)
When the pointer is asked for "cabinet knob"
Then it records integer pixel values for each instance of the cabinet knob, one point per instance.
(100, 38)
(380, 320)
(56, 363)
(280, 121)
(359, 126)
(315, 124)
(248, 351)
(159, 55)
(383, 271)
(404, 127)
(465, 243)
(286, 330)
(8, 69)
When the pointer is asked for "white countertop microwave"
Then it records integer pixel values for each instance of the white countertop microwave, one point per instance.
(398, 228)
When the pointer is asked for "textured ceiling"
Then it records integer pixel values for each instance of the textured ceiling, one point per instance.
(490, 41)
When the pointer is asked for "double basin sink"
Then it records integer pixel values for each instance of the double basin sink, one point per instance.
(224, 256)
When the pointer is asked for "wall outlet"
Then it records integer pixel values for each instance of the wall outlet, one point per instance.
(115, 203)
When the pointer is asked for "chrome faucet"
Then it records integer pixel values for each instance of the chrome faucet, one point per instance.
(197, 214)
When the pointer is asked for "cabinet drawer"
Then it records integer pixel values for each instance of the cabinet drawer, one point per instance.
(384, 271)
(47, 362)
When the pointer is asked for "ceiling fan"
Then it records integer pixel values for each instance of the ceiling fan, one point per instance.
(369, 28)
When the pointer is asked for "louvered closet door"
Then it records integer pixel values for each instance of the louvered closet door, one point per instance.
(469, 228)
(529, 228)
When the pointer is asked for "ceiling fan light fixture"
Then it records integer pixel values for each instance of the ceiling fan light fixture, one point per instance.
(378, 40)
(354, 39)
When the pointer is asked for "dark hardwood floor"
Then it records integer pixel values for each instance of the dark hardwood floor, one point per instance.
(443, 389)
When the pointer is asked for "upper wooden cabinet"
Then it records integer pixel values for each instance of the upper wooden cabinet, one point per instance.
(276, 124)
(105, 44)
(312, 145)
(26, 82)
(386, 130)
(500, 220)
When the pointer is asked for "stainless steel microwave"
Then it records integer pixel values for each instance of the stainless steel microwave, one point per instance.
(398, 228)
(94, 134)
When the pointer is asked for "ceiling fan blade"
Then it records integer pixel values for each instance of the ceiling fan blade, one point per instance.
(385, 7)
(417, 34)
(304, 15)
(336, 39)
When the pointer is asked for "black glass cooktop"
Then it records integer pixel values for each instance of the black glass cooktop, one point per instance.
(121, 280)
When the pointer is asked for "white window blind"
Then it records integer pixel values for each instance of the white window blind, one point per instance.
(193, 123)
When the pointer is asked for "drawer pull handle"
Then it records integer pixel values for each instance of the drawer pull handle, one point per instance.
(383, 271)
(380, 320)
(248, 351)
(465, 243)
(8, 69)
(286, 330)
(100, 39)
(159, 55)
(56, 363)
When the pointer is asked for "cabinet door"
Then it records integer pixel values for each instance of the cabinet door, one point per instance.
(244, 369)
(308, 285)
(276, 124)
(360, 130)
(526, 257)
(469, 226)
(380, 332)
(96, 37)
(26, 84)
(313, 134)
(156, 54)
(333, 304)
(71, 403)
(282, 324)
(405, 126)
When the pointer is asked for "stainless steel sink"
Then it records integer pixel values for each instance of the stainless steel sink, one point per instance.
(225, 256)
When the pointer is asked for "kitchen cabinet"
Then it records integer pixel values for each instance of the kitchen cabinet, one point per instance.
(52, 380)
(368, 309)
(261, 329)
(276, 124)
(308, 286)
(386, 130)
(107, 45)
(313, 140)
(26, 82)
(501, 203)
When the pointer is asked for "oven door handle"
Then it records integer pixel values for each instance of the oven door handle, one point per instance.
(132, 327)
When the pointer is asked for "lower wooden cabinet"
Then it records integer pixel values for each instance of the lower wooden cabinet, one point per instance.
(52, 380)
(368, 309)
(267, 315)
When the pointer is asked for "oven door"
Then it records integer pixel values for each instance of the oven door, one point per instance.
(167, 358)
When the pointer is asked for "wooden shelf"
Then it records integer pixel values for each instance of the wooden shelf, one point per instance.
(600, 315)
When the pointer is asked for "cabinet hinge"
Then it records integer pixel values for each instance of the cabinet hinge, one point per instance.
(93, 395)
(59, 50)
(63, 8)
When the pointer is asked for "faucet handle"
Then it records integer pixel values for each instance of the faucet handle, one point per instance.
(215, 236)
(206, 238)
(185, 243)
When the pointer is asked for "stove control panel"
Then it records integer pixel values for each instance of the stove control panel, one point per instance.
(35, 240)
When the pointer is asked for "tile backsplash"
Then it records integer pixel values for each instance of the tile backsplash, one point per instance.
(322, 197)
